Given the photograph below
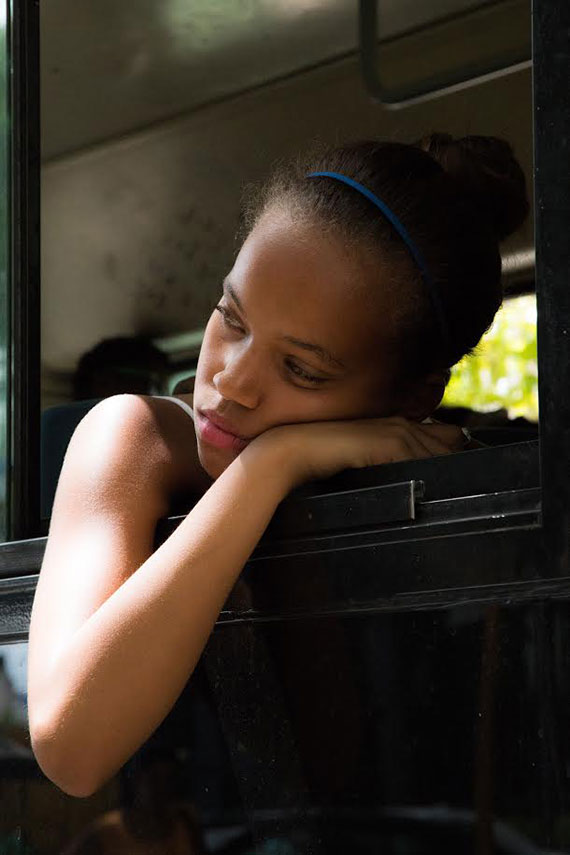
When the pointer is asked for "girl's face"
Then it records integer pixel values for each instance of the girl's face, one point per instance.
(297, 336)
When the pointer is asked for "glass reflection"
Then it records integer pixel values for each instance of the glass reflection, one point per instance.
(419, 733)
(151, 816)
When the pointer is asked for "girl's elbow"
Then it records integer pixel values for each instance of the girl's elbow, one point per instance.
(67, 768)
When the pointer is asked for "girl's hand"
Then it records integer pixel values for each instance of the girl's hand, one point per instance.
(321, 449)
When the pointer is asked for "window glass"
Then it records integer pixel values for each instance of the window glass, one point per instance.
(419, 733)
(3, 268)
(502, 373)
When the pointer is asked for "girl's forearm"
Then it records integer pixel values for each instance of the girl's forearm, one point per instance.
(127, 664)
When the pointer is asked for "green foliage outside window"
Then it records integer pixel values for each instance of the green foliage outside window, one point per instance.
(502, 373)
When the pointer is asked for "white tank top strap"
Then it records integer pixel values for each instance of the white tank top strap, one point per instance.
(180, 403)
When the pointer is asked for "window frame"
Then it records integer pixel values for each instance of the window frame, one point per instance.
(24, 265)
(529, 548)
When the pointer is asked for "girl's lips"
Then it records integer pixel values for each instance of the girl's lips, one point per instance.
(212, 434)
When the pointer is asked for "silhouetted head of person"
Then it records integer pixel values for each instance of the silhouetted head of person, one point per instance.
(118, 365)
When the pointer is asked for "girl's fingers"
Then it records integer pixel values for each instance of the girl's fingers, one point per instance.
(409, 442)
(411, 447)
(428, 440)
(434, 446)
(449, 437)
(426, 447)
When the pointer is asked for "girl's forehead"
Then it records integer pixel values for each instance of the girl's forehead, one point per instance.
(298, 279)
(301, 262)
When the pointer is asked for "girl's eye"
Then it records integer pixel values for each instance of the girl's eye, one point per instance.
(229, 319)
(302, 374)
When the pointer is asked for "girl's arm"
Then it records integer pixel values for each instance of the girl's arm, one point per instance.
(116, 631)
(110, 648)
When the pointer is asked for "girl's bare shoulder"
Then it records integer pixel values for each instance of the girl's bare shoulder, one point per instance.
(143, 436)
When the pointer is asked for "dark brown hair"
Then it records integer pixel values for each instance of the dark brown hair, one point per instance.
(457, 199)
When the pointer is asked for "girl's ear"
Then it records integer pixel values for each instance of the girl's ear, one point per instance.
(424, 396)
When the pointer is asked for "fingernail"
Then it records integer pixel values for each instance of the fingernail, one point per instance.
(467, 434)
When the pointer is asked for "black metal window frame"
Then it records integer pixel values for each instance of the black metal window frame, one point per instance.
(22, 26)
(477, 524)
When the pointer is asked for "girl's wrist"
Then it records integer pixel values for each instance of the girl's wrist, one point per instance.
(272, 455)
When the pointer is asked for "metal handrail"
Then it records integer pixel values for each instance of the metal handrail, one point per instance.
(368, 44)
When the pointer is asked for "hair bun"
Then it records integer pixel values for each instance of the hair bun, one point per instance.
(489, 173)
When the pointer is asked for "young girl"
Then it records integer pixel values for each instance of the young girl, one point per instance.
(365, 275)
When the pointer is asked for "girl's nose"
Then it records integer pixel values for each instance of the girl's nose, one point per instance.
(239, 379)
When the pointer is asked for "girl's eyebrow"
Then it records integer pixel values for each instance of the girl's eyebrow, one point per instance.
(306, 345)
(315, 348)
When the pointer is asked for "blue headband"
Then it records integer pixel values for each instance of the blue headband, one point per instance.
(404, 234)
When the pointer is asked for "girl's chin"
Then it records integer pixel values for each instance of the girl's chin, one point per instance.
(214, 460)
